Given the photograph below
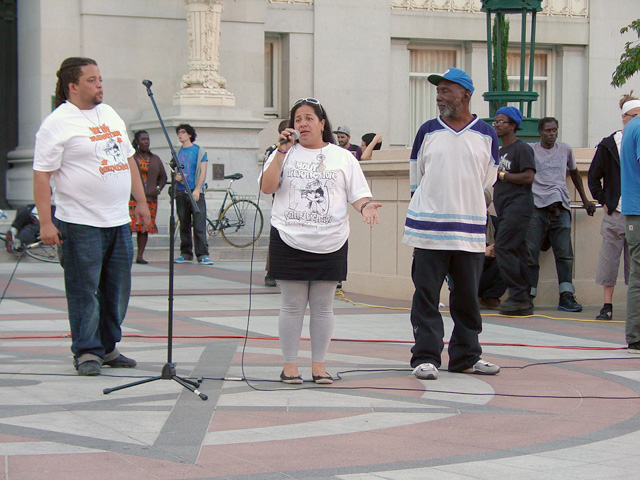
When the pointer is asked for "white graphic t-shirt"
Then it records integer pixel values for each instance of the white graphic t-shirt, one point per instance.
(87, 150)
(310, 209)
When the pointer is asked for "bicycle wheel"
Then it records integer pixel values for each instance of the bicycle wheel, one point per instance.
(241, 223)
(44, 253)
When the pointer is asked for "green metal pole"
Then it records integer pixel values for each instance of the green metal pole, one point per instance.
(490, 63)
(531, 57)
(523, 45)
(499, 52)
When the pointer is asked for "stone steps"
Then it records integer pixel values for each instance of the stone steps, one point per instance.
(158, 244)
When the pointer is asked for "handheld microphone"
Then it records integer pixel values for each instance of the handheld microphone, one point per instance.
(293, 137)
(147, 83)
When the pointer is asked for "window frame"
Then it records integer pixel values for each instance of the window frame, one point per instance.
(273, 74)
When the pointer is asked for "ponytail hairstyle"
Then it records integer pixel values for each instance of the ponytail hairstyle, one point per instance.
(70, 72)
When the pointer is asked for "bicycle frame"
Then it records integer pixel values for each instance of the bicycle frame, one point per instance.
(229, 195)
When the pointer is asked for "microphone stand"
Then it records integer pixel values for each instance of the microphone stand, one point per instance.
(169, 368)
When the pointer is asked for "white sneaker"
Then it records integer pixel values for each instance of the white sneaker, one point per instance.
(483, 368)
(426, 371)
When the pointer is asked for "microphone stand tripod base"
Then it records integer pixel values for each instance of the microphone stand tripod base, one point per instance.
(168, 373)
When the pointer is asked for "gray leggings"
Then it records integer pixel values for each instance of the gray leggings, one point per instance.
(296, 295)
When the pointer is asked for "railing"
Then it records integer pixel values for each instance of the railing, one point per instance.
(555, 8)
(552, 8)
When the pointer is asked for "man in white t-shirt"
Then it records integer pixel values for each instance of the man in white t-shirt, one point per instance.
(84, 148)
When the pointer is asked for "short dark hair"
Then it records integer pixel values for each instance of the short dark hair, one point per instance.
(282, 125)
(367, 138)
(327, 133)
(69, 72)
(189, 129)
(543, 121)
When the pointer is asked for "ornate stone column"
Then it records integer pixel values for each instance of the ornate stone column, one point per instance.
(204, 85)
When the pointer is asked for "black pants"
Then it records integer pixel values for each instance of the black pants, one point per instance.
(428, 273)
(186, 214)
(491, 284)
(511, 253)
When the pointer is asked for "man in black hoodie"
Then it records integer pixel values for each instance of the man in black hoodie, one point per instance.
(604, 184)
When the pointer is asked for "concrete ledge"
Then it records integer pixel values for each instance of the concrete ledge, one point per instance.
(380, 265)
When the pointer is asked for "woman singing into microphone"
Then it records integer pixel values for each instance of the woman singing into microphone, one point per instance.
(313, 181)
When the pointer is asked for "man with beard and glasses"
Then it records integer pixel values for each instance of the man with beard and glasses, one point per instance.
(453, 161)
(84, 148)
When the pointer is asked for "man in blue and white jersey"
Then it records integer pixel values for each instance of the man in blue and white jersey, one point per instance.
(454, 159)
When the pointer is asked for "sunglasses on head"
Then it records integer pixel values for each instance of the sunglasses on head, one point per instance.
(312, 101)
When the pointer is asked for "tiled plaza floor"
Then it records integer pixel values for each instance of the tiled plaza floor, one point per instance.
(565, 406)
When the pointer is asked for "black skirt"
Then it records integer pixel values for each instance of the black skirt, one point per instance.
(287, 263)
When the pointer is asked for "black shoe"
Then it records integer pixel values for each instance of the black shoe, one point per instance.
(90, 368)
(606, 312)
(297, 380)
(339, 286)
(269, 282)
(121, 362)
(141, 261)
(514, 307)
(323, 379)
(567, 303)
(634, 347)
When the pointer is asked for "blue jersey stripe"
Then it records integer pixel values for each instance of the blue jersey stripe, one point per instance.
(425, 225)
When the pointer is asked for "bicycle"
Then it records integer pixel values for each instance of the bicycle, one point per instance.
(239, 222)
(36, 250)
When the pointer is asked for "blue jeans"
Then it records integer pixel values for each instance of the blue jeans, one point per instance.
(559, 230)
(632, 323)
(97, 277)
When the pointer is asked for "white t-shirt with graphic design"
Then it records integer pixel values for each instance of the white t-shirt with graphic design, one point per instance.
(310, 209)
(87, 151)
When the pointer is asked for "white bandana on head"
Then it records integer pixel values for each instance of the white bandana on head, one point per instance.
(630, 105)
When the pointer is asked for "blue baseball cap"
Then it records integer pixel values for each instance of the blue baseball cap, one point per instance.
(454, 75)
(513, 113)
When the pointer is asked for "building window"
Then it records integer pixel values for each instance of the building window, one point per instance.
(541, 81)
(272, 75)
(424, 61)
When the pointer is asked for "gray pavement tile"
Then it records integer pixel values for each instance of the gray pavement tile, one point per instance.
(46, 409)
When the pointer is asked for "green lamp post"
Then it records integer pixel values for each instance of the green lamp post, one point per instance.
(495, 95)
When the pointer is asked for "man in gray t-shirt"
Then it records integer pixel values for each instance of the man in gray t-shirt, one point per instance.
(551, 216)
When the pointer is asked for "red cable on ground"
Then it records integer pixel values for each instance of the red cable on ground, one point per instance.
(354, 340)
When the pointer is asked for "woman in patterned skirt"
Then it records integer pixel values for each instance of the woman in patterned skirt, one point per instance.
(154, 179)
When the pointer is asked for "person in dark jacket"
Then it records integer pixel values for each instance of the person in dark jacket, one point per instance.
(604, 184)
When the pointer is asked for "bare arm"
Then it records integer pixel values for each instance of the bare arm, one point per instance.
(522, 178)
(577, 181)
(368, 209)
(368, 151)
(42, 196)
(200, 181)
